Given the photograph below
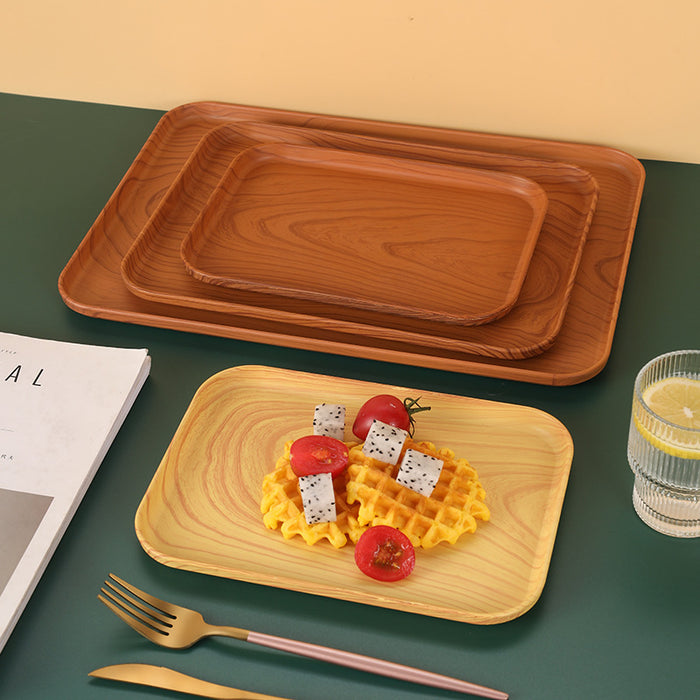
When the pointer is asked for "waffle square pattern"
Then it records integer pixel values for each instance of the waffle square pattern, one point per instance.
(282, 507)
(451, 510)
(367, 494)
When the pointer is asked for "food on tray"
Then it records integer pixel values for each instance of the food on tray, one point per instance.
(385, 553)
(317, 460)
(315, 454)
(283, 508)
(317, 497)
(388, 409)
(323, 488)
(384, 442)
(419, 471)
(329, 419)
(452, 509)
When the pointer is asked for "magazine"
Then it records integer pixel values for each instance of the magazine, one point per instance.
(61, 405)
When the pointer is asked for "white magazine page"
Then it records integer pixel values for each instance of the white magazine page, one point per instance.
(61, 405)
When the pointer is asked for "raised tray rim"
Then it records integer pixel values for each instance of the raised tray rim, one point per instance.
(168, 514)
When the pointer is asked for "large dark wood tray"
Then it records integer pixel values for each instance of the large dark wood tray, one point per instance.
(91, 283)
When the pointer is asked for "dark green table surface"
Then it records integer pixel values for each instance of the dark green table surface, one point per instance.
(620, 613)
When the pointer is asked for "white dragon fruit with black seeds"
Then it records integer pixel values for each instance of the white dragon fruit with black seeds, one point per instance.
(318, 497)
(329, 419)
(384, 442)
(419, 472)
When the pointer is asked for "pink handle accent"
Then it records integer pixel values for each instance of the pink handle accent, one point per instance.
(367, 663)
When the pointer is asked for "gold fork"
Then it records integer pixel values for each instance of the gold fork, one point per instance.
(176, 627)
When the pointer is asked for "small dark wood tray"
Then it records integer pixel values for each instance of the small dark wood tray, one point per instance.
(399, 236)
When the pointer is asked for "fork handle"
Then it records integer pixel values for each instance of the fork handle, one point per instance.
(226, 631)
(372, 665)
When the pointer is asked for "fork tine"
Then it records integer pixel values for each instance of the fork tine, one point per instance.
(131, 607)
(147, 631)
(139, 608)
(160, 605)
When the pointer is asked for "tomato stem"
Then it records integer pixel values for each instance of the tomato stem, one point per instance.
(412, 406)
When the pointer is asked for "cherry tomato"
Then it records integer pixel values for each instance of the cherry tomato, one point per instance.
(316, 454)
(388, 409)
(385, 553)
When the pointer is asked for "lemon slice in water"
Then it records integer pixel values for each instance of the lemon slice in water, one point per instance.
(676, 400)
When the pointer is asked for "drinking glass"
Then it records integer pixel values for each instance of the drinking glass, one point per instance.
(663, 449)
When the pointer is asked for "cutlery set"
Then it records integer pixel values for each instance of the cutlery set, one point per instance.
(176, 627)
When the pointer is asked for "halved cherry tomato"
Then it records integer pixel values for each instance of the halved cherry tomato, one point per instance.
(388, 409)
(316, 454)
(385, 553)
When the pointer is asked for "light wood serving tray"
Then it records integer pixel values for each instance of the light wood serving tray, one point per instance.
(153, 268)
(201, 511)
(91, 282)
(395, 235)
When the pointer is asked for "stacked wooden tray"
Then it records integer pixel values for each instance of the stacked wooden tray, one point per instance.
(493, 255)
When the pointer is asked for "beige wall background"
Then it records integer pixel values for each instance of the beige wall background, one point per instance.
(613, 72)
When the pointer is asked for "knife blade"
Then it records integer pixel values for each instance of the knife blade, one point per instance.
(168, 679)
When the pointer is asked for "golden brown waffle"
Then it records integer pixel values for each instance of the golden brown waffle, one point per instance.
(282, 507)
(450, 511)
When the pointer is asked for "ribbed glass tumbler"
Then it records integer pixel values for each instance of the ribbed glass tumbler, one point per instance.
(663, 449)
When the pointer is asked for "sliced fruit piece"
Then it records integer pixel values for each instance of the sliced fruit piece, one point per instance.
(329, 419)
(675, 399)
(318, 497)
(419, 472)
(384, 442)
(316, 454)
(385, 553)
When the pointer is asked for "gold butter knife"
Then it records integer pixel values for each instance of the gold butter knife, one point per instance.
(162, 677)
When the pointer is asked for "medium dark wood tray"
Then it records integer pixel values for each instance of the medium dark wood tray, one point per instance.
(153, 268)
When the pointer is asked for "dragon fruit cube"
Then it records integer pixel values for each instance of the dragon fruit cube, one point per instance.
(329, 419)
(419, 472)
(318, 497)
(384, 442)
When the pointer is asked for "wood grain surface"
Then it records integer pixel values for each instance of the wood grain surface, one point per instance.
(91, 282)
(396, 235)
(201, 511)
(153, 268)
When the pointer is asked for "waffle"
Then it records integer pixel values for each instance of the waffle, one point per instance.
(282, 507)
(450, 511)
